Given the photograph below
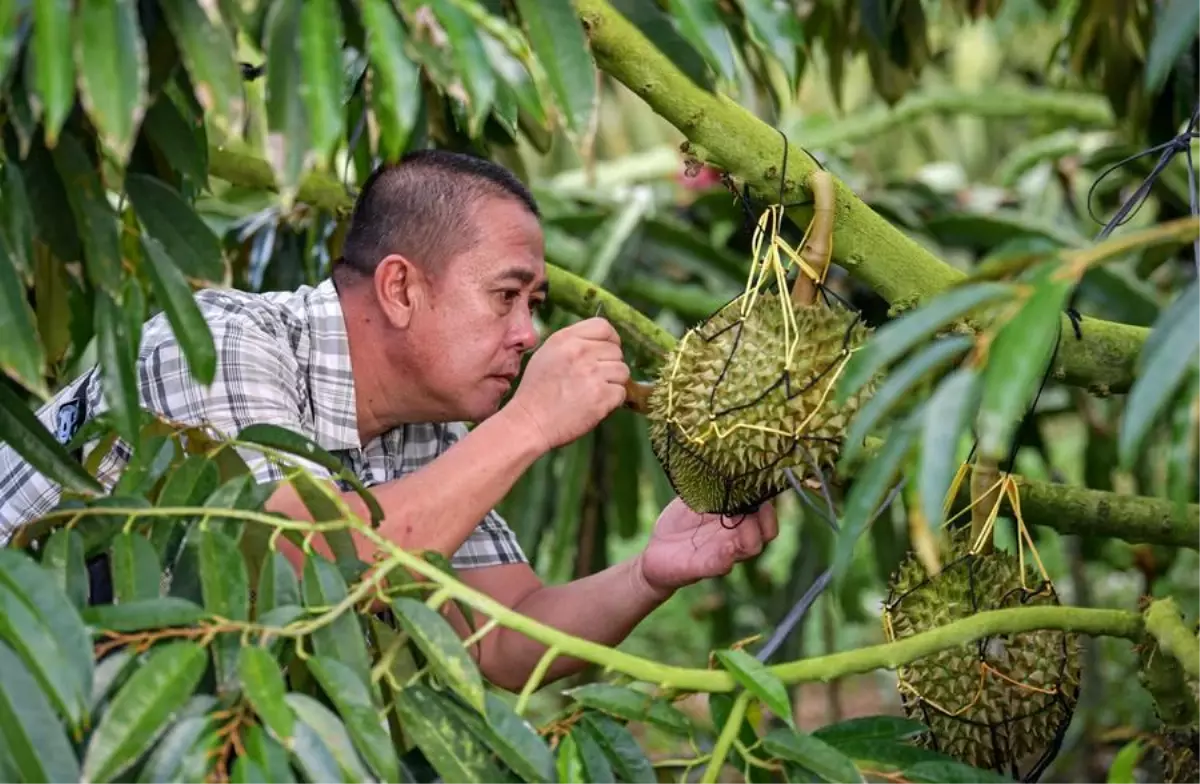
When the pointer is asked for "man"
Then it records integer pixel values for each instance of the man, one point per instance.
(422, 328)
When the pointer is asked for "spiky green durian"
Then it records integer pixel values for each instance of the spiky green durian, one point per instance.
(1010, 723)
(733, 373)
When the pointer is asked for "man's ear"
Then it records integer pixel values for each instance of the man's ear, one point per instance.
(399, 289)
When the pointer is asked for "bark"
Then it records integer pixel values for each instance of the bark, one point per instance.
(726, 135)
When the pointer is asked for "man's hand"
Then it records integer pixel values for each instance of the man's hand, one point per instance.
(687, 547)
(573, 381)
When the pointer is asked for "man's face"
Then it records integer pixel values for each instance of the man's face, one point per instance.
(478, 320)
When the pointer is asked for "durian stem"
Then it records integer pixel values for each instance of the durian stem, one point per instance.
(1164, 623)
(985, 496)
(637, 396)
(729, 732)
(818, 245)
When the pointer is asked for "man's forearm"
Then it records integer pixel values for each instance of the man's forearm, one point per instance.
(437, 507)
(603, 607)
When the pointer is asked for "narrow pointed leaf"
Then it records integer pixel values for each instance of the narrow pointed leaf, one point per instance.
(270, 757)
(1181, 474)
(558, 40)
(113, 71)
(21, 354)
(16, 219)
(288, 139)
(897, 337)
(53, 69)
(360, 714)
(143, 708)
(278, 585)
(116, 347)
(870, 728)
(11, 13)
(948, 414)
(442, 647)
(181, 233)
(632, 705)
(775, 29)
(136, 572)
(512, 738)
(145, 614)
(759, 681)
(165, 762)
(625, 755)
(189, 483)
(1175, 25)
(699, 22)
(342, 639)
(452, 751)
(31, 735)
(332, 737)
(1017, 360)
(171, 134)
(1168, 355)
(95, 220)
(814, 754)
(321, 60)
(395, 80)
(898, 386)
(595, 764)
(470, 60)
(63, 558)
(20, 428)
(188, 325)
(207, 51)
(311, 754)
(263, 685)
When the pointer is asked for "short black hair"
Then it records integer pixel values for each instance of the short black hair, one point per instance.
(420, 207)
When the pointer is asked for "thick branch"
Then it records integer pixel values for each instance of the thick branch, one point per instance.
(727, 135)
(1164, 623)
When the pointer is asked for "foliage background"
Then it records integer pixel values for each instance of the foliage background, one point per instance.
(977, 129)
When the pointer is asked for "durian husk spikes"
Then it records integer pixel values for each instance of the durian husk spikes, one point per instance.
(1000, 702)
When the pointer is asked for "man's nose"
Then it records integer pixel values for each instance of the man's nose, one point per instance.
(525, 335)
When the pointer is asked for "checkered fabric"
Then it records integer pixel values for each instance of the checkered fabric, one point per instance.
(283, 359)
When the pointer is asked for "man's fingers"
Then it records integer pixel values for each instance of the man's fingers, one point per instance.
(768, 522)
(596, 328)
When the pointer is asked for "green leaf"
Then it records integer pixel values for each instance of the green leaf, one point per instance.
(625, 755)
(333, 743)
(21, 354)
(264, 688)
(31, 594)
(206, 49)
(113, 72)
(870, 488)
(443, 648)
(814, 754)
(16, 219)
(174, 294)
(913, 328)
(360, 713)
(557, 38)
(165, 762)
(451, 750)
(111, 673)
(660, 29)
(95, 220)
(758, 680)
(225, 587)
(898, 387)
(395, 80)
(775, 29)
(143, 708)
(342, 639)
(512, 738)
(1181, 473)
(172, 135)
(271, 758)
(870, 728)
(470, 60)
(1121, 770)
(31, 639)
(287, 125)
(179, 231)
(117, 350)
(20, 428)
(947, 415)
(935, 772)
(699, 23)
(31, 735)
(278, 585)
(276, 437)
(136, 573)
(53, 70)
(632, 705)
(163, 612)
(568, 762)
(595, 764)
(193, 480)
(321, 74)
(1175, 24)
(63, 558)
(11, 35)
(1017, 359)
(1167, 356)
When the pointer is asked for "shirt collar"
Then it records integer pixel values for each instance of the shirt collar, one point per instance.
(330, 377)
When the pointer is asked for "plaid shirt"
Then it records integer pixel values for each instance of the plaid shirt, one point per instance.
(283, 359)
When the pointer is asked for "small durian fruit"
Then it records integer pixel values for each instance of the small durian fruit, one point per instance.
(1030, 680)
(727, 415)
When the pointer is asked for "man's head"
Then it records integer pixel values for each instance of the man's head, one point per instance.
(444, 254)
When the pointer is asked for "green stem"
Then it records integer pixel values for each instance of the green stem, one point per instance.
(725, 740)
(1113, 623)
(730, 137)
(1164, 623)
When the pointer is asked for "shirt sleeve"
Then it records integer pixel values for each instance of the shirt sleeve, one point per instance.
(257, 381)
(492, 542)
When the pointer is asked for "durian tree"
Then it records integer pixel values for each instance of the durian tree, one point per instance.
(866, 346)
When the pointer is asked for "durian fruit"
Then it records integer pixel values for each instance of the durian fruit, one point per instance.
(1008, 727)
(1176, 753)
(730, 371)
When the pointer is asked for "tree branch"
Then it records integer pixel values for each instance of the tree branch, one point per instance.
(1164, 623)
(724, 133)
